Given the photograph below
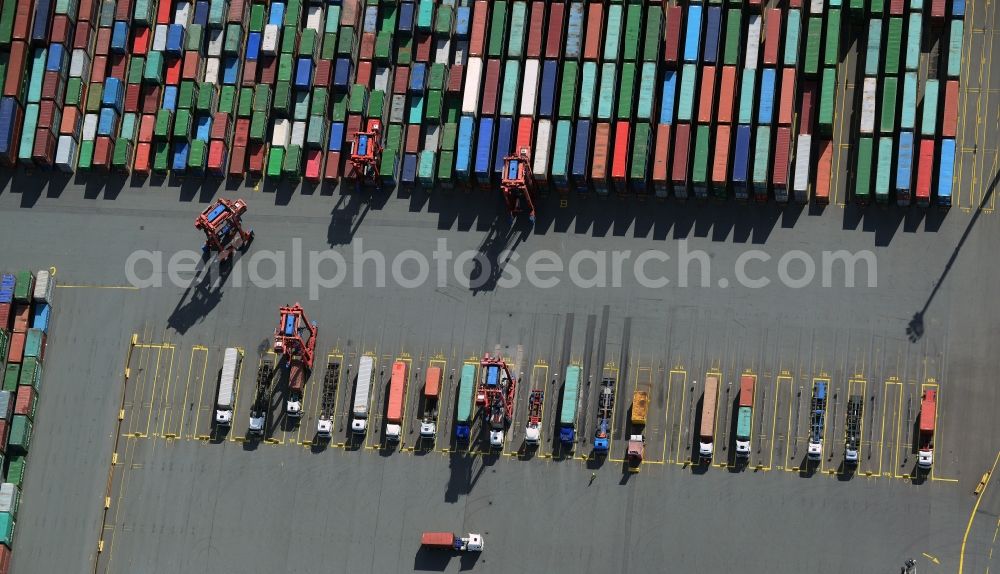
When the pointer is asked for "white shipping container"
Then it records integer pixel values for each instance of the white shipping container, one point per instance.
(529, 92)
(473, 82)
(7, 399)
(212, 70)
(65, 161)
(366, 368)
(753, 42)
(370, 23)
(280, 134)
(431, 139)
(269, 43)
(160, 37)
(90, 126)
(230, 362)
(442, 51)
(803, 155)
(79, 64)
(382, 77)
(868, 99)
(543, 141)
(9, 498)
(216, 39)
(461, 53)
(182, 15)
(298, 133)
(397, 107)
(816, 7)
(44, 282)
(314, 18)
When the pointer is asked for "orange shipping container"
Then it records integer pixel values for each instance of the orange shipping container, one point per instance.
(949, 123)
(595, 31)
(16, 350)
(146, 127)
(709, 404)
(619, 163)
(727, 97)
(747, 383)
(823, 171)
(786, 103)
(661, 156)
(71, 120)
(22, 317)
(98, 69)
(782, 147)
(477, 36)
(432, 383)
(143, 151)
(237, 161)
(364, 74)
(349, 12)
(720, 165)
(14, 80)
(525, 132)
(103, 45)
(140, 41)
(602, 133)
(772, 35)
(367, 50)
(707, 101)
(192, 66)
(397, 391)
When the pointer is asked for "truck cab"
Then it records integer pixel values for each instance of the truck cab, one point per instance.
(359, 413)
(928, 422)
(256, 427)
(428, 429)
(324, 428)
(532, 435)
(636, 451)
(567, 435)
(496, 438)
(817, 422)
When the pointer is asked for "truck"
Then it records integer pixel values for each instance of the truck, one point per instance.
(533, 430)
(328, 402)
(744, 416)
(605, 406)
(852, 434)
(296, 382)
(397, 398)
(359, 412)
(224, 401)
(567, 416)
(817, 416)
(448, 541)
(261, 399)
(928, 421)
(429, 413)
(709, 404)
(636, 441)
(466, 392)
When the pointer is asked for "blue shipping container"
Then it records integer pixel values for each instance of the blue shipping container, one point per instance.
(409, 174)
(107, 122)
(170, 98)
(201, 13)
(175, 39)
(230, 70)
(40, 320)
(57, 60)
(342, 74)
(43, 17)
(203, 127)
(303, 73)
(505, 132)
(405, 22)
(463, 149)
(550, 72)
(581, 156)
(904, 161)
(958, 8)
(180, 156)
(574, 31)
(484, 151)
(336, 136)
(418, 78)
(276, 15)
(8, 111)
(253, 46)
(463, 18)
(119, 37)
(113, 94)
(667, 97)
(765, 113)
(946, 172)
(692, 38)
(741, 161)
(713, 21)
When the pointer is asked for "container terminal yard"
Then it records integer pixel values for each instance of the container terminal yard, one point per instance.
(252, 413)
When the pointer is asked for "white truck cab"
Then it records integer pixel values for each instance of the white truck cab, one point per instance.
(256, 423)
(742, 448)
(532, 434)
(925, 458)
(294, 408)
(815, 450)
(428, 429)
(392, 432)
(851, 455)
(496, 438)
(473, 542)
(705, 449)
(324, 428)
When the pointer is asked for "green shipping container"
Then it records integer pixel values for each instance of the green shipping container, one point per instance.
(498, 29)
(893, 44)
(74, 92)
(518, 19)
(161, 156)
(857, 8)
(913, 42)
(289, 41)
(877, 7)
(826, 101)
(433, 106)
(182, 125)
(446, 169)
(6, 529)
(908, 111)
(316, 133)
(15, 469)
(639, 169)
(282, 103)
(11, 376)
(94, 98)
(31, 373)
(814, 36)
(627, 89)
(613, 33)
(7, 23)
(449, 136)
(873, 53)
(187, 94)
(358, 100)
(653, 38)
(136, 65)
(328, 51)
(383, 46)
(193, 40)
(320, 102)
(831, 54)
(338, 111)
(300, 109)
(588, 89)
(227, 99)
(609, 87)
(308, 42)
(233, 43)
(376, 105)
(561, 149)
(425, 168)
(685, 104)
(510, 93)
(761, 159)
(928, 125)
(292, 165)
(633, 27)
(883, 174)
(256, 18)
(793, 29)
(568, 90)
(206, 98)
(346, 41)
(571, 394)
(121, 158)
(197, 155)
(699, 162)
(747, 86)
(404, 51)
(275, 157)
(863, 174)
(245, 106)
(258, 126)
(19, 438)
(446, 15)
(86, 157)
(286, 67)
(887, 125)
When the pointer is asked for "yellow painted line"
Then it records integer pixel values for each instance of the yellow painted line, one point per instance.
(894, 456)
(774, 416)
(972, 517)
(166, 402)
(851, 384)
(156, 377)
(201, 388)
(239, 378)
(827, 422)
(680, 428)
(187, 385)
(121, 287)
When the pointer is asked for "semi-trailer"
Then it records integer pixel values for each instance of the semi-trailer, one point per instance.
(928, 423)
(448, 541)
(817, 420)
(567, 415)
(328, 401)
(852, 432)
(637, 442)
(429, 412)
(227, 380)
(397, 398)
(605, 408)
(744, 415)
(466, 394)
(362, 391)
(532, 431)
(262, 398)
(706, 432)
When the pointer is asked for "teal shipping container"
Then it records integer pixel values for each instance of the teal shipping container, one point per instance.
(913, 42)
(588, 89)
(518, 19)
(747, 87)
(793, 28)
(561, 152)
(647, 89)
(761, 161)
(685, 99)
(908, 111)
(511, 90)
(955, 36)
(874, 50)
(928, 125)
(883, 171)
(609, 87)
(613, 33)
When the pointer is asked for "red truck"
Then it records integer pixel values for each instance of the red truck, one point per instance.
(448, 541)
(928, 421)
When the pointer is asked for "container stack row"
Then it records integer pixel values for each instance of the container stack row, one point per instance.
(24, 323)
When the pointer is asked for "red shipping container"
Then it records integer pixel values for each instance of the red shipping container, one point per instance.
(268, 69)
(772, 36)
(806, 107)
(323, 76)
(249, 74)
(682, 143)
(535, 28)
(217, 158)
(44, 150)
(98, 69)
(525, 133)
(22, 317)
(412, 142)
(332, 169)
(15, 352)
(755, 3)
(23, 12)
(140, 41)
(172, 71)
(422, 45)
(103, 146)
(62, 29)
(314, 165)
(5, 557)
(925, 171)
(795, 4)
(220, 126)
(595, 32)
(823, 170)
(672, 36)
(3, 444)
(143, 150)
(255, 160)
(53, 87)
(164, 13)
(5, 315)
(48, 115)
(237, 160)
(619, 157)
(118, 66)
(949, 121)
(87, 10)
(14, 80)
(349, 12)
(132, 98)
(367, 50)
(727, 94)
(937, 9)
(402, 80)
(123, 10)
(241, 133)
(151, 98)
(477, 35)
(553, 39)
(82, 37)
(237, 12)
(707, 100)
(896, 7)
(103, 45)
(599, 168)
(191, 68)
(786, 101)
(720, 164)
(147, 124)
(455, 77)
(25, 401)
(661, 156)
(364, 74)
(491, 86)
(782, 150)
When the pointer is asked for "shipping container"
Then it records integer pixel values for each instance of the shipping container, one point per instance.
(904, 169)
(908, 109)
(863, 173)
(928, 123)
(949, 118)
(868, 102)
(620, 156)
(824, 123)
(661, 158)
(887, 123)
(720, 163)
(874, 47)
(894, 38)
(925, 172)
(824, 171)
(782, 151)
(600, 164)
(679, 168)
(561, 151)
(710, 49)
(883, 171)
(955, 38)
(706, 100)
(946, 172)
(831, 53)
(803, 157)
(580, 173)
(772, 35)
(741, 163)
(734, 38)
(727, 95)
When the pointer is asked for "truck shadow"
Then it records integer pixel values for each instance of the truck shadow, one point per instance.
(431, 559)
(698, 465)
(846, 472)
(218, 433)
(807, 467)
(465, 471)
(352, 442)
(734, 463)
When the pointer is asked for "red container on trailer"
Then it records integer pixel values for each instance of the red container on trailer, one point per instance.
(98, 70)
(412, 142)
(595, 32)
(191, 68)
(314, 165)
(727, 94)
(237, 160)
(661, 156)
(525, 133)
(151, 98)
(602, 147)
(118, 66)
(14, 80)
(682, 143)
(15, 352)
(455, 79)
(477, 35)
(72, 119)
(806, 107)
(364, 74)
(103, 146)
(132, 98)
(823, 171)
(401, 81)
(123, 10)
(786, 101)
(140, 41)
(331, 172)
(491, 85)
(619, 157)
(323, 76)
(367, 50)
(672, 35)
(82, 37)
(44, 150)
(554, 36)
(720, 163)
(772, 36)
(22, 316)
(782, 150)
(147, 124)
(707, 101)
(925, 171)
(172, 71)
(103, 45)
(255, 158)
(536, 26)
(422, 45)
(949, 120)
(61, 29)
(268, 69)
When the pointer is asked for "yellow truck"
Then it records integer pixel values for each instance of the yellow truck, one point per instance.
(636, 440)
